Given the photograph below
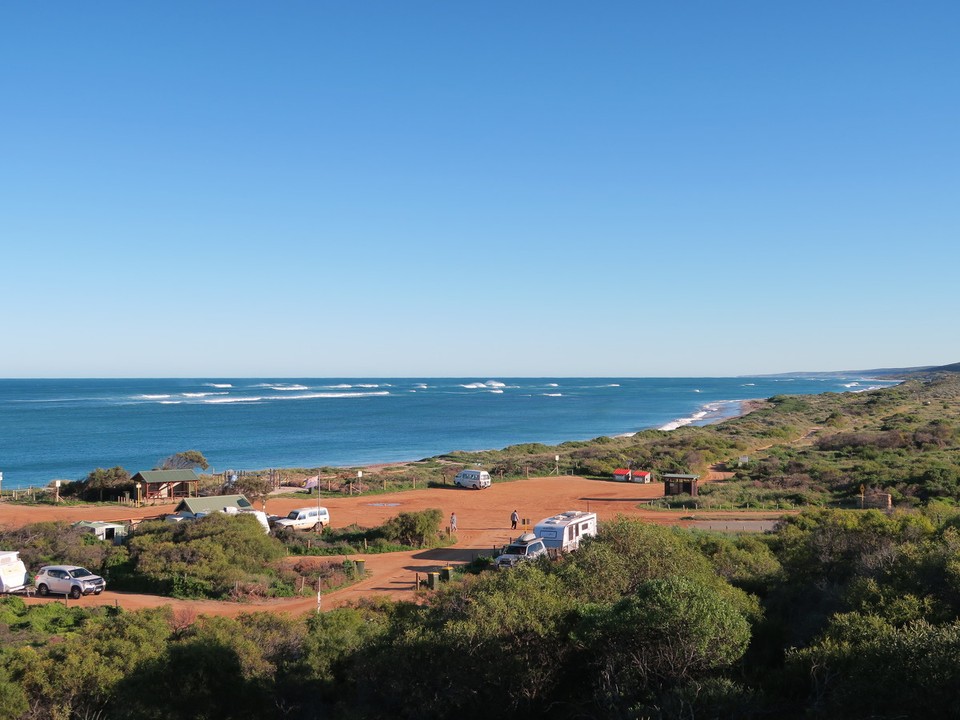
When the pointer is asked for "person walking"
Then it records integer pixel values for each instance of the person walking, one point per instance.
(514, 519)
(453, 522)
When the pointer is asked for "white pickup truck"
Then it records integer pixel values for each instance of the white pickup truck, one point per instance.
(308, 518)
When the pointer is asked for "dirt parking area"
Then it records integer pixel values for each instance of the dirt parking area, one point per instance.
(483, 521)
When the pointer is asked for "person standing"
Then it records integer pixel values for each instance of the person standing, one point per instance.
(514, 519)
(453, 522)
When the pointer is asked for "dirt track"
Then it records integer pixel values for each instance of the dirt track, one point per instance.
(483, 519)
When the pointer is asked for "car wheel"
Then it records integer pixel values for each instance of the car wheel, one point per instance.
(476, 487)
(75, 592)
(42, 590)
(97, 592)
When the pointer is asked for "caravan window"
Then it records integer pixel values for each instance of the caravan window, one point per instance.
(570, 533)
(552, 534)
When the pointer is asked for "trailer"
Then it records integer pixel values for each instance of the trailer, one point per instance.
(562, 533)
(13, 573)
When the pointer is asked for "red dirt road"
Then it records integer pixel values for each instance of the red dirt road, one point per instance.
(483, 520)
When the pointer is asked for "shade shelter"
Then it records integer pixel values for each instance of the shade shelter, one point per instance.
(680, 484)
(167, 484)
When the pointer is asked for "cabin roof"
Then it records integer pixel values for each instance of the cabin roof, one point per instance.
(213, 504)
(165, 476)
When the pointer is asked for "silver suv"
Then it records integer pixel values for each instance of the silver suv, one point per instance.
(68, 580)
(526, 547)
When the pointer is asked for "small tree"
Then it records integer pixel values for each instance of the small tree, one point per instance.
(255, 487)
(414, 528)
(106, 480)
(187, 460)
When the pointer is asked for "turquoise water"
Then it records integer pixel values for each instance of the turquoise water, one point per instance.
(63, 429)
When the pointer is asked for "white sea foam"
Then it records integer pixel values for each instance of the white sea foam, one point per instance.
(339, 387)
(219, 385)
(695, 390)
(748, 384)
(474, 386)
(202, 394)
(553, 394)
(853, 384)
(314, 396)
(233, 400)
(421, 386)
(306, 396)
(684, 421)
(552, 385)
(281, 387)
(367, 386)
(495, 383)
(613, 385)
(499, 392)
(152, 397)
(170, 402)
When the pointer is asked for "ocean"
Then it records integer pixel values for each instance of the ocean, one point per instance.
(63, 429)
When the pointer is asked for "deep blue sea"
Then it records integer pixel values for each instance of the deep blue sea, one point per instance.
(63, 429)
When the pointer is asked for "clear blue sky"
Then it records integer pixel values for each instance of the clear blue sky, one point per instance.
(477, 188)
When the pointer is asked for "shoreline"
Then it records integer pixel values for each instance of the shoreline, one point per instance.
(711, 413)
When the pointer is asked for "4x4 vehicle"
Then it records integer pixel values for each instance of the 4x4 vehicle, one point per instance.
(526, 547)
(68, 580)
(306, 518)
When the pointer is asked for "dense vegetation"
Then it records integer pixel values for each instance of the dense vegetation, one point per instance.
(849, 614)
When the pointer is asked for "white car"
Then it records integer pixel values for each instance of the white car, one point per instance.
(526, 547)
(68, 580)
(308, 518)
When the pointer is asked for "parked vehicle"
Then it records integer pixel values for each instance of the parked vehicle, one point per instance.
(68, 580)
(308, 518)
(526, 547)
(475, 479)
(13, 573)
(563, 532)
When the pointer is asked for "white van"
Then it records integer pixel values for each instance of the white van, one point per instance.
(563, 532)
(475, 479)
(308, 518)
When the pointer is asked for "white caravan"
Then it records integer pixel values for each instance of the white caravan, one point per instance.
(475, 479)
(563, 532)
(13, 573)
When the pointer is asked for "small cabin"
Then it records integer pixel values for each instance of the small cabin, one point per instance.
(214, 503)
(110, 531)
(680, 484)
(626, 475)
